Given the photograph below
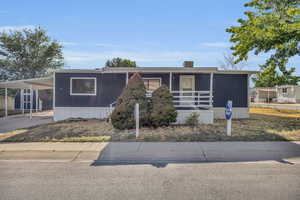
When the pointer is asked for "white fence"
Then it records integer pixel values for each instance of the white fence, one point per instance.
(192, 99)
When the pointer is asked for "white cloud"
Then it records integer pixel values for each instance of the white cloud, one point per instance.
(69, 43)
(216, 44)
(106, 45)
(15, 28)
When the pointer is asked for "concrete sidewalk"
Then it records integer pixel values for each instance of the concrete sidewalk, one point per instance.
(152, 152)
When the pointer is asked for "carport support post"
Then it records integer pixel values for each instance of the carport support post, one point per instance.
(31, 101)
(5, 102)
(36, 100)
(22, 100)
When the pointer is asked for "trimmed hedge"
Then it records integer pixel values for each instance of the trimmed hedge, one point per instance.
(162, 110)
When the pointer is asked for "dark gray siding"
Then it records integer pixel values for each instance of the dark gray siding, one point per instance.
(109, 87)
(230, 87)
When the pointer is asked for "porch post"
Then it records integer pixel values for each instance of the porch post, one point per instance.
(126, 78)
(211, 89)
(6, 102)
(170, 82)
(31, 101)
(36, 100)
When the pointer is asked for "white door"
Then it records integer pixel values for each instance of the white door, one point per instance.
(187, 83)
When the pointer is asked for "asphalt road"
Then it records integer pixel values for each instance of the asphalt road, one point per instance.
(79, 180)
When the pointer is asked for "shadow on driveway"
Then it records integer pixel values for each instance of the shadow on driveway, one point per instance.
(160, 154)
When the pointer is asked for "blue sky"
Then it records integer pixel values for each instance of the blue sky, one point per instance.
(154, 33)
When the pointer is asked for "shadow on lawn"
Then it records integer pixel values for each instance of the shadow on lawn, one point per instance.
(160, 154)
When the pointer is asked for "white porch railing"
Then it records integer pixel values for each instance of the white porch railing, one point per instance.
(192, 99)
(186, 99)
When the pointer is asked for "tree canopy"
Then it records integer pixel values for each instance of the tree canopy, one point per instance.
(28, 54)
(272, 26)
(120, 62)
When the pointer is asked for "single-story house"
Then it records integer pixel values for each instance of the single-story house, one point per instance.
(288, 94)
(263, 94)
(92, 93)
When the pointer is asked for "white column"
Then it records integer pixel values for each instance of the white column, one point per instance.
(36, 100)
(170, 82)
(211, 89)
(6, 114)
(22, 100)
(126, 78)
(31, 101)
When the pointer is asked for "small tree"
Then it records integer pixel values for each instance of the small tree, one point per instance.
(120, 62)
(123, 115)
(162, 110)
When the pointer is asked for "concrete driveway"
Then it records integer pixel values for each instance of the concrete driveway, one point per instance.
(22, 121)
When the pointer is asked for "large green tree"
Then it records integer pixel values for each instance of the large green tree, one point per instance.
(271, 26)
(120, 62)
(28, 54)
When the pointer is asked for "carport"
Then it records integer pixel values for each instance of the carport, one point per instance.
(31, 84)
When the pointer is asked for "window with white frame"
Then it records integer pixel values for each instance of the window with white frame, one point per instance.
(152, 84)
(83, 86)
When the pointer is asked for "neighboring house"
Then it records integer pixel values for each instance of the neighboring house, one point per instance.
(10, 103)
(92, 93)
(288, 94)
(43, 100)
(263, 94)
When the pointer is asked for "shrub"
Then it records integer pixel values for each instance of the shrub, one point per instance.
(193, 119)
(123, 115)
(162, 110)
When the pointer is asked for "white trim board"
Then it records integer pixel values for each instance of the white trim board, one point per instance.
(83, 94)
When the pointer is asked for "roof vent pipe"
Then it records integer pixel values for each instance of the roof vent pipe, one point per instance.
(188, 64)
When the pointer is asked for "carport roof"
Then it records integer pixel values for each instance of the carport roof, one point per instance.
(34, 83)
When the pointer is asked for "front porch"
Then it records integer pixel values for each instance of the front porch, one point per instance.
(191, 93)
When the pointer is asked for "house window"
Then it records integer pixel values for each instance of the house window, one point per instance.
(83, 86)
(284, 90)
(152, 84)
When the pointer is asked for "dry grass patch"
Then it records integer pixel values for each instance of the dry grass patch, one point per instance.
(276, 112)
(265, 124)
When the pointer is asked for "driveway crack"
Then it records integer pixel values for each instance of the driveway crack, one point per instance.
(76, 156)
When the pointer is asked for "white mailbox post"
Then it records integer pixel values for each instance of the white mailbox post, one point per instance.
(137, 120)
(228, 115)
